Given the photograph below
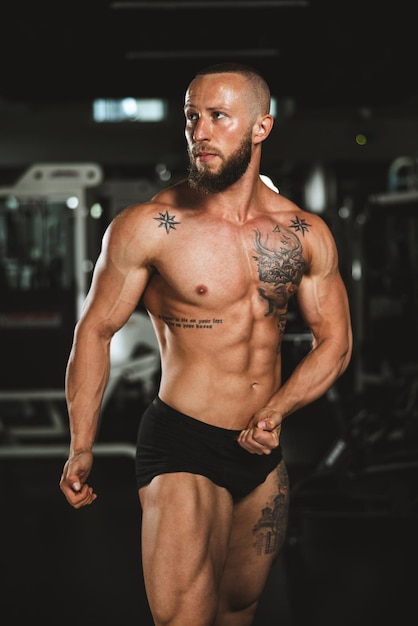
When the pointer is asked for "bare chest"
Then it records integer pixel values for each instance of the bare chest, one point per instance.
(218, 267)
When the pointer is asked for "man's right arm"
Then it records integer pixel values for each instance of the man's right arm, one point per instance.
(119, 279)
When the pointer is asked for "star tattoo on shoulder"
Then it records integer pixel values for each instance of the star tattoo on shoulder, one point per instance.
(167, 221)
(300, 225)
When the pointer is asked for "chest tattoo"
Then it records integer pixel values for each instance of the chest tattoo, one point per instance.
(280, 270)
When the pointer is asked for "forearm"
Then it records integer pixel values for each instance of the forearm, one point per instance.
(312, 377)
(86, 379)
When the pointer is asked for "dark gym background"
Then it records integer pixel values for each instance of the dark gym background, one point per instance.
(345, 144)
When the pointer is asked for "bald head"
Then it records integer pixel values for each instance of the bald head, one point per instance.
(258, 94)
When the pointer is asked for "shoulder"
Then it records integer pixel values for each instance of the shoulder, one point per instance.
(311, 229)
(137, 220)
(289, 216)
(139, 232)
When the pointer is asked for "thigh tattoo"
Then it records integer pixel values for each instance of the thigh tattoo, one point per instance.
(270, 529)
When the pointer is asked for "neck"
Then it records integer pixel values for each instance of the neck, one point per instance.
(238, 201)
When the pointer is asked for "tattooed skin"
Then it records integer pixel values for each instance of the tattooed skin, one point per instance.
(270, 530)
(280, 269)
(167, 221)
(300, 226)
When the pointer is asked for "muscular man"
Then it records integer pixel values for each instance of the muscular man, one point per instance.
(216, 258)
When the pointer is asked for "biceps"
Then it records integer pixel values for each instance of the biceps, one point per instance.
(323, 305)
(114, 294)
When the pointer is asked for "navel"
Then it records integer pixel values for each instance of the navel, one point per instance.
(201, 289)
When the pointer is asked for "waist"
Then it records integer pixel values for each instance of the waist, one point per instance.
(227, 401)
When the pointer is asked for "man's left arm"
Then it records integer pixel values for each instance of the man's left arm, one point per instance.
(323, 303)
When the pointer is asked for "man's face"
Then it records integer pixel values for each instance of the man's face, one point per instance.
(218, 131)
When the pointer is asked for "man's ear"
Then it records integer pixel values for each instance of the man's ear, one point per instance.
(263, 128)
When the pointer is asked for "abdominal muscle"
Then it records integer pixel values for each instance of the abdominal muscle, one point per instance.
(220, 375)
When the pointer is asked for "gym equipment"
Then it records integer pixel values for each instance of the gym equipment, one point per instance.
(47, 255)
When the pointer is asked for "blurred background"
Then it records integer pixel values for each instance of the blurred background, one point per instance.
(91, 97)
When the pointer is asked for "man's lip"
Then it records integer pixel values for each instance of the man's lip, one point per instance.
(203, 155)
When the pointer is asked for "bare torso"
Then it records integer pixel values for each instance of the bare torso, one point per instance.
(218, 298)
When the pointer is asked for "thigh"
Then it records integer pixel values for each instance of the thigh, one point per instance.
(186, 522)
(258, 532)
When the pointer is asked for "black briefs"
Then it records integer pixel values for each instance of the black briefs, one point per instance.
(169, 441)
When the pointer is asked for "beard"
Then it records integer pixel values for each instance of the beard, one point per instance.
(231, 171)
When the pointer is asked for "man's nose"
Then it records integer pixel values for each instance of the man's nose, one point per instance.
(201, 130)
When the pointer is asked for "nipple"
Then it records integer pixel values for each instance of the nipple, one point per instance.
(201, 289)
